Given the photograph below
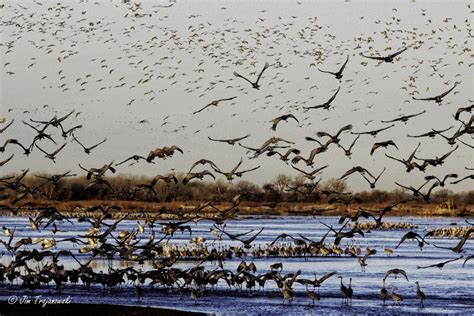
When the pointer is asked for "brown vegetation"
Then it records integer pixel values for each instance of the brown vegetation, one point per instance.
(276, 197)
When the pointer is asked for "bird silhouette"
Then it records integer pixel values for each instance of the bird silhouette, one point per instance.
(255, 84)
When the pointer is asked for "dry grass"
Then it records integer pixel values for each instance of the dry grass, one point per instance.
(256, 208)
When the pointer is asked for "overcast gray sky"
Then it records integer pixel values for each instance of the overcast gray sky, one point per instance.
(94, 56)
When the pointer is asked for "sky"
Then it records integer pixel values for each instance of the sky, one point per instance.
(117, 64)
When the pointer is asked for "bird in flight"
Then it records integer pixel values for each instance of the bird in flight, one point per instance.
(231, 141)
(439, 98)
(384, 144)
(213, 103)
(255, 84)
(337, 74)
(387, 59)
(325, 105)
(374, 132)
(285, 118)
(404, 118)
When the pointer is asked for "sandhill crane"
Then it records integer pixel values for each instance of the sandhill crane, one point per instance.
(98, 172)
(396, 272)
(231, 141)
(438, 160)
(87, 150)
(151, 186)
(326, 105)
(452, 139)
(138, 291)
(348, 151)
(255, 84)
(273, 141)
(134, 157)
(431, 133)
(412, 235)
(441, 182)
(420, 295)
(334, 138)
(374, 132)
(52, 155)
(465, 178)
(316, 283)
(344, 291)
(230, 175)
(284, 157)
(339, 235)
(383, 292)
(214, 103)
(202, 162)
(163, 153)
(313, 296)
(243, 266)
(287, 293)
(404, 118)
(197, 175)
(343, 200)
(312, 154)
(438, 98)
(407, 162)
(397, 298)
(459, 247)
(417, 192)
(384, 144)
(355, 169)
(55, 121)
(278, 119)
(350, 291)
(439, 265)
(27, 150)
(310, 175)
(66, 133)
(247, 242)
(387, 59)
(337, 74)
(374, 179)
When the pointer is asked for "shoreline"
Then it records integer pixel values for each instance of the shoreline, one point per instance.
(89, 309)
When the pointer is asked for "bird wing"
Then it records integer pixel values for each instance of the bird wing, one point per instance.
(445, 93)
(245, 171)
(261, 73)
(94, 146)
(334, 96)
(240, 76)
(398, 53)
(328, 72)
(374, 147)
(293, 117)
(349, 172)
(6, 160)
(300, 170)
(373, 57)
(424, 99)
(59, 149)
(344, 65)
(203, 108)
(77, 141)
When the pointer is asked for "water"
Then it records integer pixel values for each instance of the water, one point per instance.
(448, 290)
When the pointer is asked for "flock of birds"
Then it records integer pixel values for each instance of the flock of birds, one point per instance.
(36, 261)
(134, 246)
